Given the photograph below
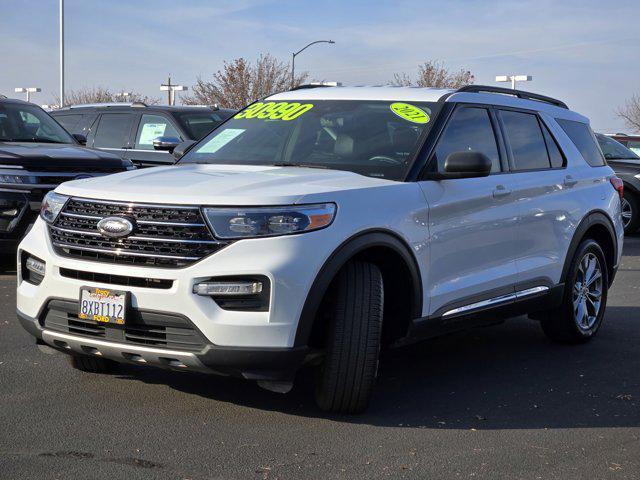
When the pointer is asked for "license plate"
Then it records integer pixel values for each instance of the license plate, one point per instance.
(103, 305)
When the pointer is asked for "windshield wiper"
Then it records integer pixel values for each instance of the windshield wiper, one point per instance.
(299, 165)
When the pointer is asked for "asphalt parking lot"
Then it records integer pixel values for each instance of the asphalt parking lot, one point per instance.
(499, 402)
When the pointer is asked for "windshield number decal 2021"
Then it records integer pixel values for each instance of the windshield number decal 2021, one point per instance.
(410, 112)
(275, 110)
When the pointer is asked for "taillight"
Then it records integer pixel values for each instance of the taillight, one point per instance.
(617, 184)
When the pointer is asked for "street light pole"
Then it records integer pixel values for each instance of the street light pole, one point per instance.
(513, 79)
(28, 91)
(293, 58)
(61, 53)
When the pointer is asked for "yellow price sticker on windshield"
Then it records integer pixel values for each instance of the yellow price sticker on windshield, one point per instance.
(410, 112)
(275, 110)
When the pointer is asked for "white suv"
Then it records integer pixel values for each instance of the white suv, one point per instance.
(320, 225)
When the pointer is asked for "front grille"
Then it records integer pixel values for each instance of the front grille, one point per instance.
(117, 279)
(159, 330)
(164, 236)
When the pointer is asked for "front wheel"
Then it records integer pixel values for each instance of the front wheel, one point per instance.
(585, 297)
(630, 212)
(346, 377)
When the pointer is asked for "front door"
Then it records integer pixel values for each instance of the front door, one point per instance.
(150, 127)
(472, 222)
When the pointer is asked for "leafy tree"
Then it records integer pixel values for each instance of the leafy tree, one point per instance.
(631, 113)
(434, 74)
(241, 82)
(102, 95)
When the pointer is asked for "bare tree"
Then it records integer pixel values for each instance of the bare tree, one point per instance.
(102, 95)
(434, 74)
(241, 82)
(631, 113)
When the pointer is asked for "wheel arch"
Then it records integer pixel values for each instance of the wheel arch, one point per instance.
(598, 226)
(382, 247)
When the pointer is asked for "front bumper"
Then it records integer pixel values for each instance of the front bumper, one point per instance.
(291, 264)
(265, 364)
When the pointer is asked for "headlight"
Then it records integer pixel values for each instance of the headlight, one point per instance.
(268, 221)
(51, 206)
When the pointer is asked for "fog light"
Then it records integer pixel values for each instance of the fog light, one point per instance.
(36, 266)
(32, 268)
(227, 288)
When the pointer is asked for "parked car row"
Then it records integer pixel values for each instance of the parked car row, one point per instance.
(37, 155)
(319, 226)
(144, 134)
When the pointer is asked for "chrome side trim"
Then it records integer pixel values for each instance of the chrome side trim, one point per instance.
(531, 291)
(496, 300)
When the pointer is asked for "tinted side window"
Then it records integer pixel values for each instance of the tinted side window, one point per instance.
(113, 130)
(152, 127)
(556, 156)
(582, 137)
(69, 122)
(525, 138)
(469, 129)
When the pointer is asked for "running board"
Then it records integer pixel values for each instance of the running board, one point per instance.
(496, 301)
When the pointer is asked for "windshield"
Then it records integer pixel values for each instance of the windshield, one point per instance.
(199, 124)
(614, 150)
(372, 138)
(22, 122)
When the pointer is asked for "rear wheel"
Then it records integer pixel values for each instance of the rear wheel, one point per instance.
(92, 364)
(585, 297)
(630, 207)
(347, 375)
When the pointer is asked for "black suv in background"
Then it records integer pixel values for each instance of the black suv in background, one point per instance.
(626, 164)
(144, 134)
(36, 155)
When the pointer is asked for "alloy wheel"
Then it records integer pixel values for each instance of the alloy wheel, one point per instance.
(627, 212)
(587, 292)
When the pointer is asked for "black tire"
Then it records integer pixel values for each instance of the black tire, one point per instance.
(92, 364)
(567, 324)
(345, 379)
(632, 208)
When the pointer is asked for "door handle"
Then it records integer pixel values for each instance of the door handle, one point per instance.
(501, 191)
(569, 181)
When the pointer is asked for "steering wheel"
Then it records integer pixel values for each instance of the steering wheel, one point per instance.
(385, 159)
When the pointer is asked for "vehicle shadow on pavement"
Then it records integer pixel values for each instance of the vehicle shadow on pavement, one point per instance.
(7, 264)
(503, 377)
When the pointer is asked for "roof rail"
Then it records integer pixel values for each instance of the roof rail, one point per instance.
(108, 104)
(515, 93)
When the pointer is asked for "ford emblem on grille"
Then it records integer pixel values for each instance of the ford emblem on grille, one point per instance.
(115, 227)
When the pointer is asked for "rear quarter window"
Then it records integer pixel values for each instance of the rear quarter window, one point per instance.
(584, 140)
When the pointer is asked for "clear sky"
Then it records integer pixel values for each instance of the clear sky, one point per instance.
(584, 52)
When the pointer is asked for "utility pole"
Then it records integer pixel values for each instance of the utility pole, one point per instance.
(61, 53)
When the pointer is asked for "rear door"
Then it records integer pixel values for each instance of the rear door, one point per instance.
(150, 127)
(112, 132)
(542, 197)
(472, 221)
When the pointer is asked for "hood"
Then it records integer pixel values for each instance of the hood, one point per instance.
(219, 185)
(54, 157)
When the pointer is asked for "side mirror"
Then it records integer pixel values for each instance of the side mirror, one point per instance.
(181, 149)
(167, 144)
(465, 164)
(81, 139)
